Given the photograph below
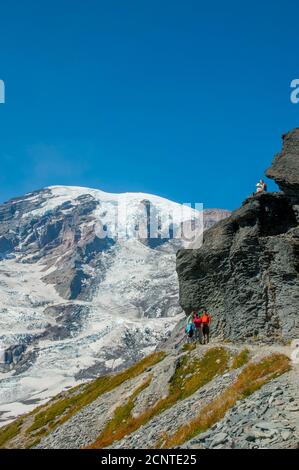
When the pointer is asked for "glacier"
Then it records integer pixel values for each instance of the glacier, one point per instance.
(75, 305)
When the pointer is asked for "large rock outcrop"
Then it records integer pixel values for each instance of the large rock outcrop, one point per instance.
(247, 270)
(285, 168)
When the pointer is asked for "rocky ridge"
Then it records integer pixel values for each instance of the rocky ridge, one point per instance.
(247, 270)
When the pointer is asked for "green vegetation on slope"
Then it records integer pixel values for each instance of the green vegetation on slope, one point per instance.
(117, 426)
(10, 431)
(190, 375)
(240, 359)
(55, 413)
(252, 377)
(189, 346)
(65, 409)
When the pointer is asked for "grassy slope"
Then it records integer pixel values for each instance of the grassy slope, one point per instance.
(46, 418)
(191, 373)
(252, 377)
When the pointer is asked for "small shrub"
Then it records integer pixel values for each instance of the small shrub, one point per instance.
(189, 346)
(240, 359)
(10, 431)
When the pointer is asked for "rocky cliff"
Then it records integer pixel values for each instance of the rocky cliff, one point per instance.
(247, 271)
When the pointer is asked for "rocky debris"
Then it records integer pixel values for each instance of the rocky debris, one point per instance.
(12, 355)
(269, 418)
(264, 420)
(82, 429)
(212, 216)
(247, 270)
(219, 438)
(175, 338)
(181, 413)
(85, 426)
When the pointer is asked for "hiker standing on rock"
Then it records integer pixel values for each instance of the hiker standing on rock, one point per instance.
(190, 327)
(206, 322)
(198, 328)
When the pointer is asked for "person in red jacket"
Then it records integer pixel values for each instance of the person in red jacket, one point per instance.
(206, 323)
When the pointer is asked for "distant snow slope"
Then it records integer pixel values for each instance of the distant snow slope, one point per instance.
(74, 304)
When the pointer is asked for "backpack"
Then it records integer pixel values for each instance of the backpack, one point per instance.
(189, 330)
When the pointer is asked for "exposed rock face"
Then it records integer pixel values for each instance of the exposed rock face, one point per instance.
(285, 168)
(247, 271)
(62, 237)
(12, 355)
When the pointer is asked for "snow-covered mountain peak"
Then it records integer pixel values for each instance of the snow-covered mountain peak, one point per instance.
(120, 212)
(75, 304)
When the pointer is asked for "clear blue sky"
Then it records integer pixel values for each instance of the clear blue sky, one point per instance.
(186, 99)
